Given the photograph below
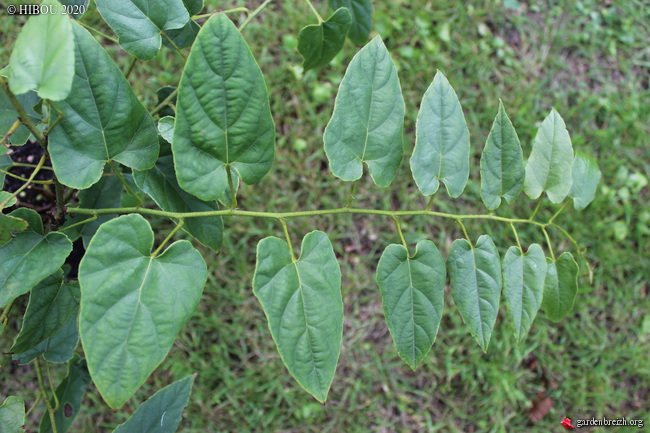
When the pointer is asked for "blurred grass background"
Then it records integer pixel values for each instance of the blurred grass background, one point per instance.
(588, 59)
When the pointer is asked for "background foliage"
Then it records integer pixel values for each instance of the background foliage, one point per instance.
(587, 59)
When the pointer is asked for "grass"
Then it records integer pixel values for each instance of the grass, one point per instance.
(587, 59)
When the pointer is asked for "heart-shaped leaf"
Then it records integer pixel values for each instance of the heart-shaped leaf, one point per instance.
(223, 118)
(318, 44)
(412, 292)
(475, 274)
(361, 11)
(133, 304)
(302, 302)
(523, 286)
(102, 120)
(586, 176)
(560, 287)
(366, 126)
(441, 151)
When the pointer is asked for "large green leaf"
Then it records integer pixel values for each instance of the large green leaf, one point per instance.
(502, 163)
(319, 43)
(361, 11)
(368, 118)
(133, 305)
(160, 183)
(12, 415)
(586, 176)
(30, 257)
(58, 347)
(523, 286)
(560, 287)
(69, 395)
(303, 304)
(441, 151)
(223, 118)
(412, 292)
(103, 120)
(138, 23)
(43, 55)
(161, 413)
(51, 303)
(475, 274)
(549, 166)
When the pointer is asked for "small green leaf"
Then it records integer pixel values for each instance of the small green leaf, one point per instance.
(368, 118)
(361, 11)
(162, 412)
(51, 303)
(441, 151)
(12, 415)
(161, 185)
(138, 23)
(303, 304)
(9, 224)
(166, 128)
(475, 274)
(223, 118)
(69, 395)
(549, 165)
(560, 287)
(103, 120)
(502, 163)
(43, 55)
(586, 176)
(523, 286)
(318, 44)
(58, 348)
(133, 305)
(29, 258)
(412, 292)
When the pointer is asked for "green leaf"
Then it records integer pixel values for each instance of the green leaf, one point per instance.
(138, 23)
(33, 219)
(5, 163)
(560, 287)
(29, 258)
(12, 415)
(161, 185)
(502, 163)
(168, 110)
(441, 151)
(475, 274)
(412, 292)
(8, 115)
(133, 305)
(51, 303)
(43, 55)
(161, 413)
(69, 394)
(523, 286)
(166, 128)
(361, 11)
(368, 118)
(318, 44)
(303, 304)
(9, 224)
(586, 176)
(59, 347)
(194, 7)
(549, 165)
(103, 120)
(183, 37)
(223, 118)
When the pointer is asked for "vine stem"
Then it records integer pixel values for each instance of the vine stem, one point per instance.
(253, 14)
(24, 179)
(165, 102)
(430, 203)
(87, 220)
(168, 238)
(514, 230)
(26, 184)
(539, 203)
(129, 69)
(12, 129)
(399, 230)
(125, 183)
(231, 185)
(320, 19)
(462, 226)
(353, 191)
(178, 50)
(286, 235)
(49, 381)
(548, 243)
(557, 213)
(22, 114)
(22, 164)
(38, 398)
(41, 385)
(103, 35)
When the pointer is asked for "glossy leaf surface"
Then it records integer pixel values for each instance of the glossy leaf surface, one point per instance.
(223, 118)
(412, 292)
(560, 287)
(302, 302)
(475, 274)
(138, 23)
(103, 120)
(550, 163)
(586, 176)
(133, 305)
(523, 286)
(502, 163)
(318, 44)
(368, 119)
(162, 412)
(361, 11)
(441, 151)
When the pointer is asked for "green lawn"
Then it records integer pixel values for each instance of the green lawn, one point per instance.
(591, 61)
